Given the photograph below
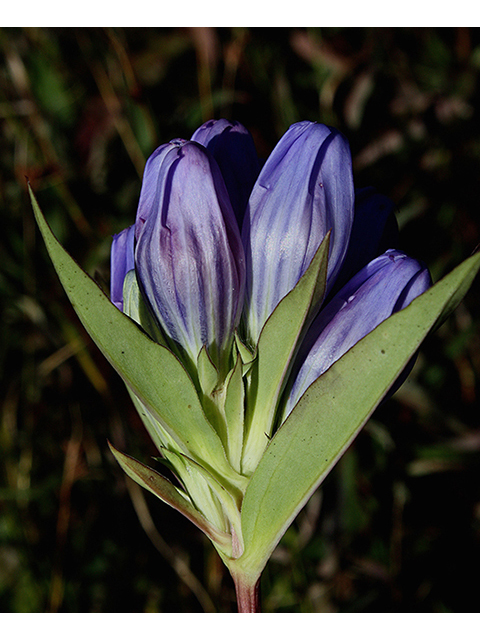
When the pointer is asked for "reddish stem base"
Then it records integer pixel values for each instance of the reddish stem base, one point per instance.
(248, 596)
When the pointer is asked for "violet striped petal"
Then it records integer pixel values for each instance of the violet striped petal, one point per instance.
(304, 190)
(233, 148)
(189, 257)
(386, 285)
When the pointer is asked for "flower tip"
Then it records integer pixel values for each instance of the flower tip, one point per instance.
(233, 149)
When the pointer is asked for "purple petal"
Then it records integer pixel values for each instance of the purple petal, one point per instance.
(384, 286)
(121, 262)
(233, 148)
(189, 256)
(304, 190)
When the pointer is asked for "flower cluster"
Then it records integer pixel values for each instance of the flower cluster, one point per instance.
(220, 240)
(254, 323)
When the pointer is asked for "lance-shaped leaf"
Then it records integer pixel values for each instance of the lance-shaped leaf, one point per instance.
(276, 347)
(331, 413)
(154, 482)
(153, 373)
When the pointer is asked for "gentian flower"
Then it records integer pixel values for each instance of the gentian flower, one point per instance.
(197, 284)
(214, 389)
(386, 285)
(304, 190)
(189, 257)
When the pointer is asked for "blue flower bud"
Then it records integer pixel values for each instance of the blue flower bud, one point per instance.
(121, 262)
(189, 257)
(304, 190)
(386, 285)
(232, 146)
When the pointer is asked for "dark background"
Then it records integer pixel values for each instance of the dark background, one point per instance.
(396, 527)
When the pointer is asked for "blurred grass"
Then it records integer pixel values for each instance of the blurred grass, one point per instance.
(397, 524)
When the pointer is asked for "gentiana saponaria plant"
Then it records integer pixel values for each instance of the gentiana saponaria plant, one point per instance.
(258, 316)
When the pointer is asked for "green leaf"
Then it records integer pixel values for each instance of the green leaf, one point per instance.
(195, 482)
(153, 373)
(276, 346)
(331, 413)
(154, 482)
(160, 436)
(192, 470)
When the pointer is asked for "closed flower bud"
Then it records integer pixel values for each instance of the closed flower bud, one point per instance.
(386, 285)
(304, 190)
(189, 257)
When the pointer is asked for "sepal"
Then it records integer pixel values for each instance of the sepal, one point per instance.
(207, 372)
(234, 410)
